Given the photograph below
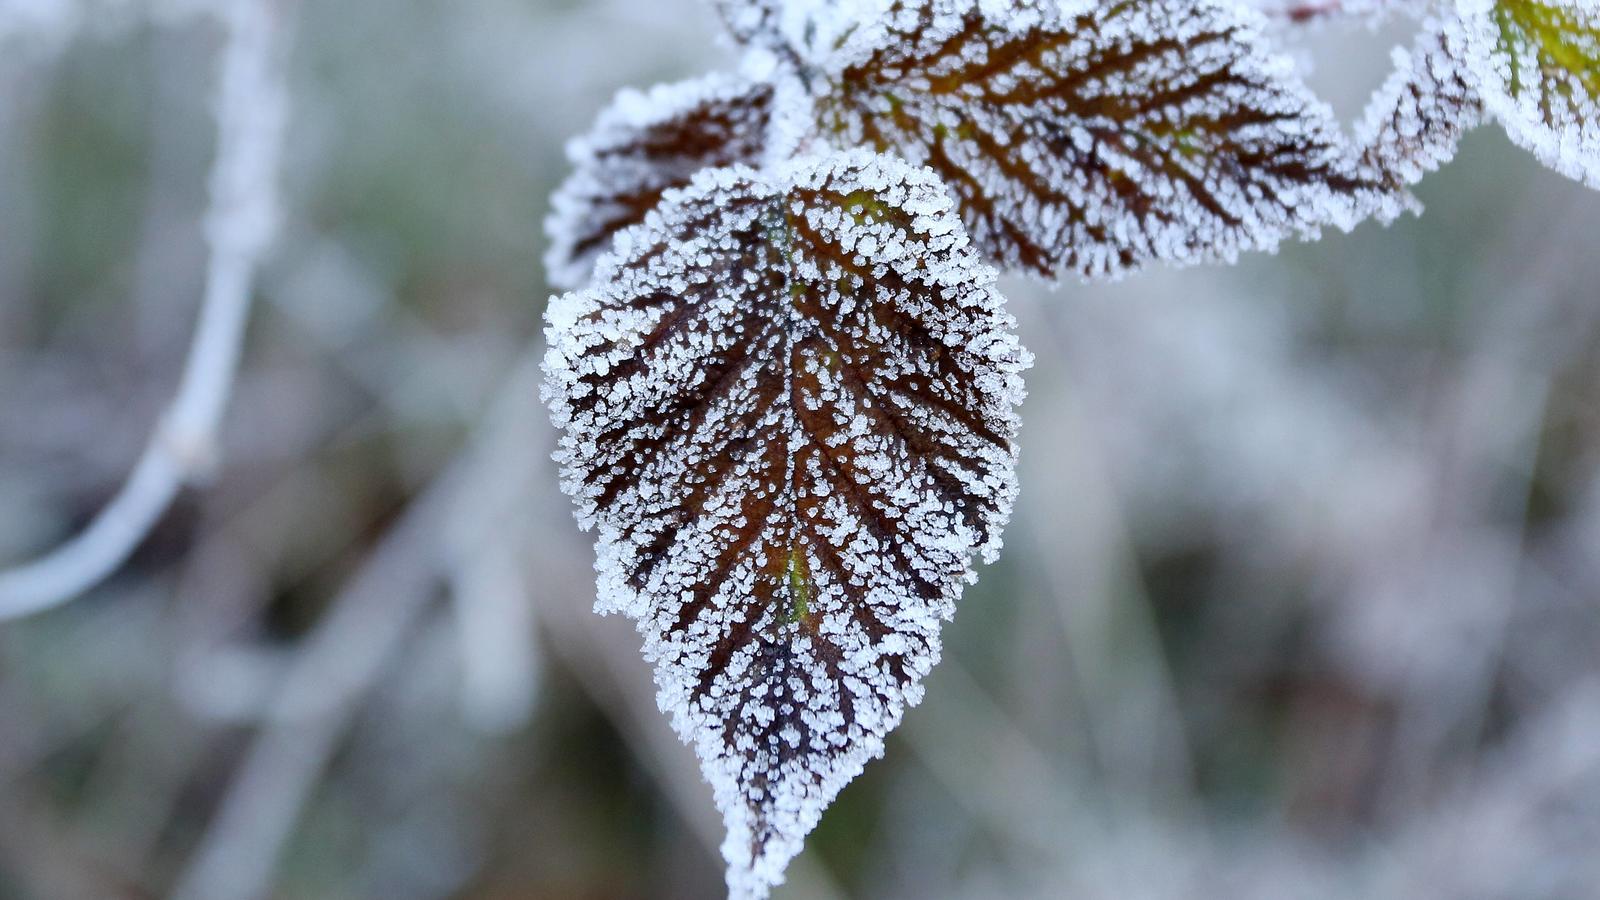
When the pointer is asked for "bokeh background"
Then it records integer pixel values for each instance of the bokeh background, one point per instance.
(1301, 598)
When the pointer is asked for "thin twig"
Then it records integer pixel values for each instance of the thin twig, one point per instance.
(252, 110)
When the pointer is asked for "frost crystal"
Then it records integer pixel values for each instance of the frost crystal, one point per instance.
(1094, 137)
(788, 410)
(798, 29)
(1537, 64)
(641, 145)
(750, 21)
(1415, 120)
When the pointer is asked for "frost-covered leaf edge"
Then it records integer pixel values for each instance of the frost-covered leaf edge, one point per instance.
(1573, 152)
(1414, 121)
(574, 243)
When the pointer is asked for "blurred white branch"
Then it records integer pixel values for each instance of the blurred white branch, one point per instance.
(251, 110)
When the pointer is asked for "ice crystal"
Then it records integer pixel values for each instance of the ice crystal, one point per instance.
(804, 31)
(1537, 65)
(751, 21)
(1413, 123)
(642, 144)
(788, 410)
(1092, 137)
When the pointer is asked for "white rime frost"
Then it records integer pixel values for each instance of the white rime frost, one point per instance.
(1093, 137)
(1414, 122)
(788, 409)
(750, 21)
(642, 144)
(1537, 65)
(801, 29)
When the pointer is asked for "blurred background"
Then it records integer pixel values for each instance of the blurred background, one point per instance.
(1301, 598)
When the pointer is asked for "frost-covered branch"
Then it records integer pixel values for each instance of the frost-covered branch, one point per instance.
(251, 110)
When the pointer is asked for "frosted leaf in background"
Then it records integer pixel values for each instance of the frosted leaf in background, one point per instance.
(788, 409)
(750, 21)
(1301, 12)
(1537, 65)
(800, 30)
(1414, 122)
(1094, 138)
(642, 144)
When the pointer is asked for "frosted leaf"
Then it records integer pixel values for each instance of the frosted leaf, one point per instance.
(1094, 137)
(1414, 121)
(642, 144)
(750, 21)
(1537, 64)
(788, 410)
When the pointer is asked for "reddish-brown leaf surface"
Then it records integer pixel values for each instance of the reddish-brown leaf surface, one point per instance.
(1095, 137)
(643, 144)
(788, 409)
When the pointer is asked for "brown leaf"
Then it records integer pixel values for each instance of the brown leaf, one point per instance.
(1095, 137)
(1416, 119)
(788, 408)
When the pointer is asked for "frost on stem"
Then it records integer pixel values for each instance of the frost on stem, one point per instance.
(642, 144)
(788, 410)
(1096, 137)
(1415, 120)
(1537, 65)
(251, 102)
